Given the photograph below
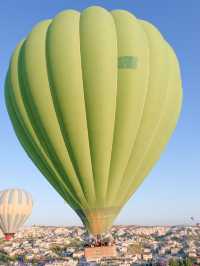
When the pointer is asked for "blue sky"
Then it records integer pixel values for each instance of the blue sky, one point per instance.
(171, 192)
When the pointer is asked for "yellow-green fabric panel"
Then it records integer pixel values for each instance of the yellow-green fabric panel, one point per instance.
(65, 75)
(131, 94)
(35, 154)
(154, 102)
(33, 151)
(164, 129)
(18, 110)
(98, 45)
(39, 105)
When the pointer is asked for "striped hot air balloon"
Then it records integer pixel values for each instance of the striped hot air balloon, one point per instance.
(15, 207)
(94, 98)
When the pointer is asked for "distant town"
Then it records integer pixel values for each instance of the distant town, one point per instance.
(135, 245)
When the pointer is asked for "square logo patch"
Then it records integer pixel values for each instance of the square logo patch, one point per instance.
(127, 62)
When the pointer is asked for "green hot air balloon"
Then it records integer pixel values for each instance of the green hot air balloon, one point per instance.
(94, 98)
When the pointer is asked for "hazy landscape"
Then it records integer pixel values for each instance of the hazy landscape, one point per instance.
(145, 245)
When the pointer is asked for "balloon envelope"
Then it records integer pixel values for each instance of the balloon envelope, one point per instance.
(94, 98)
(15, 208)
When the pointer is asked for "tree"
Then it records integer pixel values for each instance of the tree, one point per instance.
(173, 262)
(188, 262)
(4, 257)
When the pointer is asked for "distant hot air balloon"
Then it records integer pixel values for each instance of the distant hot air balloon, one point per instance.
(94, 98)
(15, 208)
(192, 218)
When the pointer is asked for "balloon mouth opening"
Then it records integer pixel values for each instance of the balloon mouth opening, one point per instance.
(99, 220)
(9, 236)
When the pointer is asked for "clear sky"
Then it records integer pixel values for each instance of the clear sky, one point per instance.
(171, 192)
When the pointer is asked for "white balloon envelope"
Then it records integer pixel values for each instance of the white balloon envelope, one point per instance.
(15, 207)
